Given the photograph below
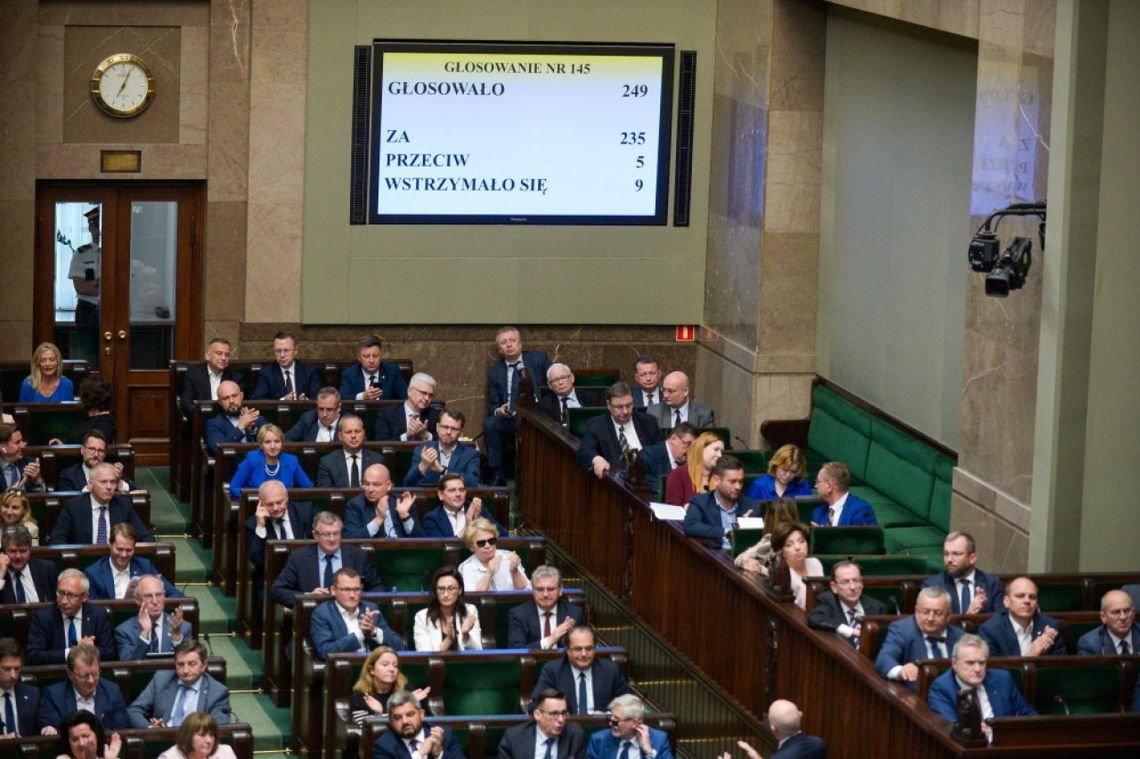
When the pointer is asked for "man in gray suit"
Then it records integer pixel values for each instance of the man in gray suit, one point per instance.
(151, 631)
(678, 406)
(170, 696)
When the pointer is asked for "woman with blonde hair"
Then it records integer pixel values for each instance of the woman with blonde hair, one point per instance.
(46, 383)
(379, 678)
(488, 568)
(15, 509)
(684, 482)
(786, 477)
(198, 739)
(268, 462)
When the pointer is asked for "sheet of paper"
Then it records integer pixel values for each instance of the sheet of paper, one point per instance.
(667, 512)
(750, 523)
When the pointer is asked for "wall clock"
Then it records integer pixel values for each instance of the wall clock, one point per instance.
(122, 85)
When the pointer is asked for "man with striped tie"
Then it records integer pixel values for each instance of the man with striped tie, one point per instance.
(609, 438)
(87, 518)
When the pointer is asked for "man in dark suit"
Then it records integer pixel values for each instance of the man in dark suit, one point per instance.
(112, 577)
(678, 406)
(276, 518)
(94, 450)
(647, 382)
(83, 689)
(926, 635)
(503, 382)
(343, 468)
(318, 425)
(23, 578)
(627, 733)
(841, 609)
(55, 630)
(151, 631)
(968, 672)
(172, 695)
(236, 423)
(1118, 633)
(841, 508)
(286, 379)
(784, 721)
(310, 569)
(408, 733)
(377, 513)
(19, 702)
(445, 454)
(609, 436)
(546, 734)
(589, 683)
(971, 590)
(711, 515)
(202, 381)
(662, 458)
(454, 513)
(371, 378)
(563, 395)
(17, 470)
(414, 419)
(542, 621)
(88, 518)
(1022, 630)
(346, 624)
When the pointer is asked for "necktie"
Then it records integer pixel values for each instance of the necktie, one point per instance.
(281, 529)
(327, 580)
(101, 538)
(853, 621)
(583, 696)
(565, 406)
(831, 515)
(354, 473)
(546, 624)
(155, 639)
(18, 584)
(72, 635)
(9, 715)
(181, 708)
(1124, 647)
(514, 382)
(677, 418)
(965, 596)
(288, 382)
(623, 441)
(936, 647)
(373, 382)
(549, 749)
(624, 750)
(415, 744)
(650, 398)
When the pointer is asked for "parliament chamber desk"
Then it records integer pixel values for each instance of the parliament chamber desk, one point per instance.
(755, 646)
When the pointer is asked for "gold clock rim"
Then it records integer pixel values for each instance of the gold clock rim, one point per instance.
(97, 77)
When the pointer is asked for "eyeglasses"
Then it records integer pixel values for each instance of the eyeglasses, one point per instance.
(563, 378)
(92, 450)
(487, 542)
(556, 715)
(428, 393)
(615, 720)
(68, 595)
(848, 583)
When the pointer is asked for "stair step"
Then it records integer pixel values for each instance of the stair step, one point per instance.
(217, 613)
(192, 563)
(270, 724)
(243, 666)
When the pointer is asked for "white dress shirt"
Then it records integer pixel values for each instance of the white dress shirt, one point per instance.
(835, 511)
(630, 434)
(215, 380)
(122, 579)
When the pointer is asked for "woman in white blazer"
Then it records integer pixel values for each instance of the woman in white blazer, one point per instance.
(447, 624)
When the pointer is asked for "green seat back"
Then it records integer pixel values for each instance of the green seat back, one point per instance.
(1055, 597)
(578, 418)
(862, 540)
(891, 595)
(54, 421)
(1072, 632)
(901, 468)
(939, 515)
(399, 462)
(742, 540)
(914, 539)
(481, 687)
(407, 569)
(1086, 690)
(755, 462)
(878, 565)
(839, 430)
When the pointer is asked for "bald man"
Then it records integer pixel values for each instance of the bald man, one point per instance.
(784, 720)
(678, 406)
(1022, 630)
(376, 513)
(236, 423)
(1118, 633)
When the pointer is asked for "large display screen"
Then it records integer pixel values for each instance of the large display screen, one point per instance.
(505, 133)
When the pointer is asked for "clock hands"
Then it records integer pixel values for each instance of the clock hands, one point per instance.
(124, 84)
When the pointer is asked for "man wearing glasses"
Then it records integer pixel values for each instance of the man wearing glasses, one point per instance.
(662, 458)
(841, 609)
(563, 396)
(310, 569)
(347, 624)
(548, 735)
(94, 451)
(83, 689)
(543, 621)
(926, 635)
(629, 737)
(609, 437)
(151, 631)
(589, 683)
(1119, 633)
(55, 630)
(444, 455)
(318, 425)
(411, 420)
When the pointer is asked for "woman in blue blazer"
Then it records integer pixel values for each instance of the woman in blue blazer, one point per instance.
(786, 478)
(268, 463)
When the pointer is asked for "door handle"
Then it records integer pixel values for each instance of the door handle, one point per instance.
(122, 334)
(107, 335)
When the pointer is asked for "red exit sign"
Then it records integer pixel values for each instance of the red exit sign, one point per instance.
(686, 333)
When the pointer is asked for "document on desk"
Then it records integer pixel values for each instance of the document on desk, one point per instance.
(667, 512)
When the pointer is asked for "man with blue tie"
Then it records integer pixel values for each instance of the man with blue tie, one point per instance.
(371, 378)
(628, 737)
(236, 423)
(589, 682)
(377, 513)
(841, 508)
(926, 635)
(993, 692)
(504, 379)
(151, 631)
(88, 517)
(547, 735)
(1118, 632)
(287, 379)
(83, 689)
(310, 569)
(19, 702)
(347, 624)
(971, 590)
(23, 577)
(55, 630)
(171, 695)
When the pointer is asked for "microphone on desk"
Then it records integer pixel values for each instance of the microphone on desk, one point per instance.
(895, 602)
(742, 441)
(1059, 699)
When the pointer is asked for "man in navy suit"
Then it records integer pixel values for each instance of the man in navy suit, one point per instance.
(111, 577)
(24, 579)
(318, 425)
(414, 419)
(662, 458)
(276, 518)
(151, 631)
(310, 569)
(371, 378)
(997, 696)
(94, 451)
(18, 702)
(784, 721)
(503, 380)
(547, 733)
(589, 683)
(202, 381)
(841, 509)
(627, 732)
(1118, 633)
(408, 736)
(841, 609)
(678, 406)
(647, 382)
(451, 517)
(541, 622)
(171, 695)
(346, 624)
(89, 517)
(602, 445)
(343, 468)
(55, 630)
(711, 515)
(287, 379)
(1022, 630)
(376, 513)
(926, 635)
(445, 454)
(83, 689)
(563, 396)
(17, 470)
(236, 423)
(971, 590)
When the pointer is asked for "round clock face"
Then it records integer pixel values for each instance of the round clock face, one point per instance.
(122, 85)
